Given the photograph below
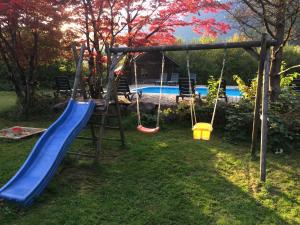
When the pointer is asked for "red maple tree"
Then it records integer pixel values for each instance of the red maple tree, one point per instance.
(30, 31)
(145, 22)
(107, 23)
(30, 35)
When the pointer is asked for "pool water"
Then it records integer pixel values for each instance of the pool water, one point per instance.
(175, 90)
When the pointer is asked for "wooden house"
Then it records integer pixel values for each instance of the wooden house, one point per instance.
(149, 68)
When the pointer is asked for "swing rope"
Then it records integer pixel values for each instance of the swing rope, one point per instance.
(137, 96)
(192, 100)
(140, 126)
(219, 86)
(160, 90)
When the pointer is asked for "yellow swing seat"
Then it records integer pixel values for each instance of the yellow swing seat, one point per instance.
(202, 131)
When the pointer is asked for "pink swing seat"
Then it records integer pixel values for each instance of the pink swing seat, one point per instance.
(146, 130)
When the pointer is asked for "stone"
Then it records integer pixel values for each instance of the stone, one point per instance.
(145, 107)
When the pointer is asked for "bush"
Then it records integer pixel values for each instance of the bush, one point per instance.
(130, 121)
(291, 55)
(179, 114)
(235, 120)
(46, 73)
(182, 114)
(238, 125)
(212, 86)
(5, 85)
(208, 63)
(41, 107)
(248, 91)
(284, 121)
(283, 115)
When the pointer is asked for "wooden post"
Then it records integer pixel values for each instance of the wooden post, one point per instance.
(110, 82)
(121, 130)
(256, 119)
(76, 58)
(253, 53)
(264, 118)
(74, 51)
(228, 45)
(78, 72)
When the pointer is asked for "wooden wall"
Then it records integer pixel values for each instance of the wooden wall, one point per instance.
(149, 68)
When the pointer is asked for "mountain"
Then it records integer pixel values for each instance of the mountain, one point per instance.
(187, 34)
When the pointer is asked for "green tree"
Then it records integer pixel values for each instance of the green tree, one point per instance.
(278, 18)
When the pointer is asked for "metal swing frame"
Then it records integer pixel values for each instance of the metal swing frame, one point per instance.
(262, 94)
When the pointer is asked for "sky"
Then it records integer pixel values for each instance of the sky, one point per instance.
(187, 34)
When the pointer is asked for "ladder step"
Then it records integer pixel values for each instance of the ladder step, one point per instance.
(82, 154)
(96, 125)
(113, 128)
(111, 139)
(87, 138)
(103, 114)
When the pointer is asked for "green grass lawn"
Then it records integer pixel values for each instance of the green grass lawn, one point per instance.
(163, 179)
(7, 101)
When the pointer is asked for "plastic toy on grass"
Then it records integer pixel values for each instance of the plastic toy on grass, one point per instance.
(18, 132)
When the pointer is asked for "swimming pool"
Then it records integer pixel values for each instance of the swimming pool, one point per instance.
(175, 90)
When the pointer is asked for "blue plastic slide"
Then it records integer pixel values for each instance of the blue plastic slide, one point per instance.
(47, 154)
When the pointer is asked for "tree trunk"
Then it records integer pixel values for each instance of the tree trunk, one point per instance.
(277, 53)
(28, 100)
(24, 89)
(25, 93)
(95, 65)
(127, 67)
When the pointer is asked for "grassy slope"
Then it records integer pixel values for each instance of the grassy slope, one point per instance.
(163, 179)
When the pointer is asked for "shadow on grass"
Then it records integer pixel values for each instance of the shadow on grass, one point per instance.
(164, 179)
(222, 201)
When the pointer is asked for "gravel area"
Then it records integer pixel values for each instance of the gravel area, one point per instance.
(166, 100)
(169, 99)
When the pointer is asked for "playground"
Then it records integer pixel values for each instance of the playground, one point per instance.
(149, 112)
(165, 179)
(179, 173)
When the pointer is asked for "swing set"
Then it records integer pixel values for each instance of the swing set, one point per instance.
(203, 130)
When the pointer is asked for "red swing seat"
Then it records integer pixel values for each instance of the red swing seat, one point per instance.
(146, 130)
